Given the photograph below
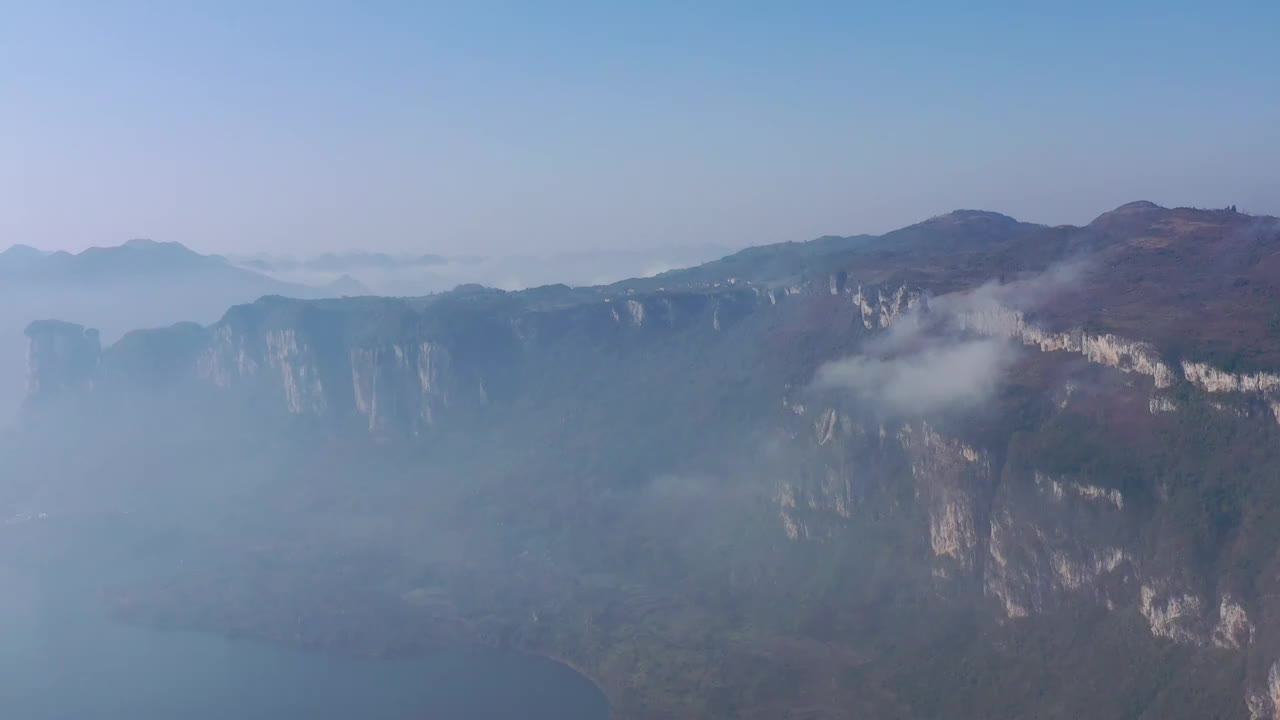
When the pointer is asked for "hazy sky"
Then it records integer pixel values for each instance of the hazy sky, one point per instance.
(513, 127)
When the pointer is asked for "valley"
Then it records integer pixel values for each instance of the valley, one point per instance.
(938, 472)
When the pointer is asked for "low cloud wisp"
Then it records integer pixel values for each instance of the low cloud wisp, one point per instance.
(938, 376)
(924, 364)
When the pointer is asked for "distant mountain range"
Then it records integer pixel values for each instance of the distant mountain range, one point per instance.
(141, 283)
(143, 260)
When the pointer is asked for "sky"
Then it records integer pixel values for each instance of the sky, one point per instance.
(503, 128)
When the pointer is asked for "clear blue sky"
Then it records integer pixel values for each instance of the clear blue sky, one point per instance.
(510, 127)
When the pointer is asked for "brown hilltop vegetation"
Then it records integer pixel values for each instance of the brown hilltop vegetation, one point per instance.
(957, 470)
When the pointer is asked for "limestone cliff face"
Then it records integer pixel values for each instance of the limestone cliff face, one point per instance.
(1036, 542)
(1126, 355)
(398, 386)
(1053, 541)
(1264, 703)
(953, 482)
(61, 358)
(399, 383)
(1105, 349)
(1013, 510)
(880, 310)
(393, 366)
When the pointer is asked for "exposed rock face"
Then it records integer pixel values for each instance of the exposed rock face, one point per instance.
(228, 359)
(1213, 380)
(304, 391)
(1034, 570)
(1106, 349)
(1059, 489)
(1172, 614)
(1234, 630)
(1265, 703)
(308, 361)
(397, 386)
(1126, 355)
(794, 529)
(1076, 488)
(61, 357)
(1051, 543)
(400, 386)
(882, 311)
(1037, 543)
(635, 310)
(953, 480)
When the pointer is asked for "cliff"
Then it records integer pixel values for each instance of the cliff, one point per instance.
(927, 474)
(61, 358)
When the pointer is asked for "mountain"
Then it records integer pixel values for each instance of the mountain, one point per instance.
(135, 260)
(139, 283)
(345, 285)
(972, 468)
(19, 257)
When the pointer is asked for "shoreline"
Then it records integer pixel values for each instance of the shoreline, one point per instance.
(589, 677)
(611, 706)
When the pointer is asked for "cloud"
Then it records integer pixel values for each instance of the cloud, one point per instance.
(938, 376)
(927, 363)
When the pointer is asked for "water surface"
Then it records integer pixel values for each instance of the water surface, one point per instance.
(63, 658)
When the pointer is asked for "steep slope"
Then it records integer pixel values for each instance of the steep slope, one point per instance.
(973, 468)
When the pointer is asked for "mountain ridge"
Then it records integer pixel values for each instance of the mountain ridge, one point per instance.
(923, 474)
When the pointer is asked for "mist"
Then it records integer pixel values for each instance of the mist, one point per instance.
(631, 361)
(938, 377)
(402, 277)
(924, 364)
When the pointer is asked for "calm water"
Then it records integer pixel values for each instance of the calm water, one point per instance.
(62, 659)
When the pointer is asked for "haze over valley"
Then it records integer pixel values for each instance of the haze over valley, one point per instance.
(651, 361)
(873, 456)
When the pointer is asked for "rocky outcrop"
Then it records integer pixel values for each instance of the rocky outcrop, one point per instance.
(402, 385)
(1056, 541)
(794, 527)
(1264, 703)
(953, 481)
(397, 386)
(61, 358)
(1211, 379)
(1172, 614)
(1104, 349)
(881, 310)
(635, 310)
(1234, 629)
(1060, 489)
(300, 377)
(228, 359)
(280, 360)
(395, 366)
(1034, 568)
(1036, 542)
(1125, 355)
